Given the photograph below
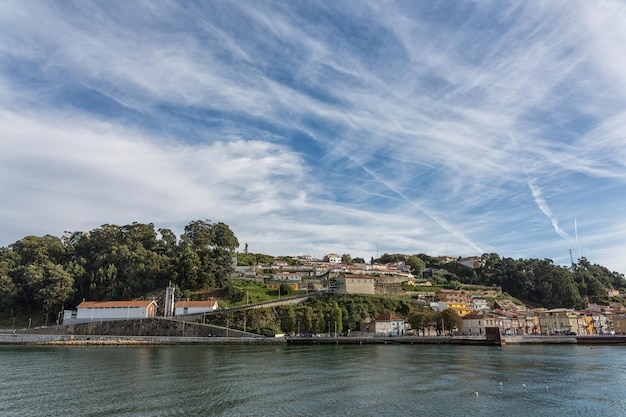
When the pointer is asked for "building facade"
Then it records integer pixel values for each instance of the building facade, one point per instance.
(110, 310)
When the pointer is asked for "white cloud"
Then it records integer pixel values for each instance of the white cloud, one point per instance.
(315, 138)
(83, 172)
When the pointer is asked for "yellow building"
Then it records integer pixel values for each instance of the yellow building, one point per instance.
(460, 307)
(275, 285)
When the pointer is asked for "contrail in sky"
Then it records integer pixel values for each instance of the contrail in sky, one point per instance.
(543, 206)
(538, 196)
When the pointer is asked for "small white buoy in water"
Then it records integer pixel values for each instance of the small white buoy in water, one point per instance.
(524, 385)
(476, 393)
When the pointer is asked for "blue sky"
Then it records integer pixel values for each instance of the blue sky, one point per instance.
(446, 128)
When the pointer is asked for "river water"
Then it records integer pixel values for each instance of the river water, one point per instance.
(369, 380)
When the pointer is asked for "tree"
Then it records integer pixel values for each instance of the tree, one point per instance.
(448, 320)
(223, 237)
(199, 233)
(286, 290)
(307, 320)
(416, 265)
(346, 259)
(8, 289)
(234, 294)
(320, 323)
(358, 260)
(289, 323)
(421, 320)
(336, 316)
(189, 269)
(56, 289)
(387, 258)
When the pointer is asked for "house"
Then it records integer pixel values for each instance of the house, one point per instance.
(474, 323)
(332, 258)
(280, 264)
(244, 272)
(354, 284)
(389, 325)
(446, 259)
(460, 307)
(518, 322)
(479, 303)
(508, 305)
(474, 262)
(558, 321)
(619, 324)
(287, 276)
(275, 285)
(110, 310)
(182, 308)
(612, 293)
(452, 296)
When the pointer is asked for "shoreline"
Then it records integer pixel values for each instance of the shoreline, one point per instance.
(105, 340)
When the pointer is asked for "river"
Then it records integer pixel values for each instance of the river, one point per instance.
(369, 380)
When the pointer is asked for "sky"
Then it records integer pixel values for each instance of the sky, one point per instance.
(437, 127)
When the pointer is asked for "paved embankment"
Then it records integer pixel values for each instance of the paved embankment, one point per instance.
(50, 339)
(395, 340)
(78, 340)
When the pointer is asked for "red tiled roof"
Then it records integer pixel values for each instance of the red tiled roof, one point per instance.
(474, 315)
(114, 304)
(357, 276)
(388, 317)
(207, 303)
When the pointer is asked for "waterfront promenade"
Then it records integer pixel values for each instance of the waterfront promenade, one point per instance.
(77, 340)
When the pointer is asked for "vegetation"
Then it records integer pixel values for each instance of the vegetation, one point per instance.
(541, 282)
(40, 276)
(341, 313)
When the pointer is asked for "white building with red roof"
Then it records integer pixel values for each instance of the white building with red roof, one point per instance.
(194, 307)
(110, 310)
(388, 324)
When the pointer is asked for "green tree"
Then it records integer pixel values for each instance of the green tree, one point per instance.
(336, 318)
(420, 320)
(56, 288)
(346, 259)
(416, 265)
(234, 294)
(320, 323)
(447, 321)
(289, 323)
(307, 320)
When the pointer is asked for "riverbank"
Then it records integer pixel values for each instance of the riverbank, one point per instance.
(90, 340)
(86, 340)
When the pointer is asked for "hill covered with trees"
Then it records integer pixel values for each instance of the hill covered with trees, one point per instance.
(536, 281)
(44, 275)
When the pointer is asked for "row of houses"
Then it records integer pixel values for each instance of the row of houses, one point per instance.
(515, 319)
(559, 321)
(308, 268)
